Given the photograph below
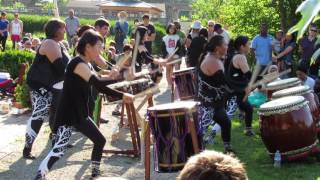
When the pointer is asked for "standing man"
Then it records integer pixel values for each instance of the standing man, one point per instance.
(182, 35)
(4, 27)
(210, 29)
(307, 47)
(151, 32)
(16, 29)
(261, 47)
(222, 32)
(121, 31)
(72, 25)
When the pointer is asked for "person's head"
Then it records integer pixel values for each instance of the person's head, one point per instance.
(90, 44)
(279, 35)
(16, 15)
(290, 37)
(302, 72)
(24, 40)
(264, 29)
(242, 44)
(113, 50)
(171, 29)
(196, 26)
(146, 19)
(83, 29)
(317, 85)
(178, 25)
(71, 13)
(313, 30)
(27, 44)
(203, 32)
(210, 26)
(122, 15)
(35, 42)
(217, 45)
(102, 26)
(112, 43)
(218, 28)
(3, 15)
(132, 42)
(55, 29)
(142, 31)
(272, 69)
(213, 165)
(127, 49)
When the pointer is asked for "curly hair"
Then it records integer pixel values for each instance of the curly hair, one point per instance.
(210, 165)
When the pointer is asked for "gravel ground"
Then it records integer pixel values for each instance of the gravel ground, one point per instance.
(75, 164)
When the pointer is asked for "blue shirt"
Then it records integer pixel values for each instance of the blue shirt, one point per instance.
(263, 49)
(3, 25)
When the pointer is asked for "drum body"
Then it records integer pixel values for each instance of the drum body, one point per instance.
(169, 125)
(184, 83)
(281, 84)
(286, 125)
(307, 93)
(133, 87)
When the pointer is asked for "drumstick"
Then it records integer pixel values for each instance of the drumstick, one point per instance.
(268, 78)
(265, 69)
(135, 52)
(110, 64)
(172, 54)
(253, 79)
(174, 62)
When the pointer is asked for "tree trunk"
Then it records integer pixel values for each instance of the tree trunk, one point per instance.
(283, 15)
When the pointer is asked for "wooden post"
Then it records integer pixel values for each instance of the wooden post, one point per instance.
(193, 133)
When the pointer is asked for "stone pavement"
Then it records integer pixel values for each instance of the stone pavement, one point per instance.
(75, 164)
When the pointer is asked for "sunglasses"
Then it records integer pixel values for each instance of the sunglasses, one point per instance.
(210, 25)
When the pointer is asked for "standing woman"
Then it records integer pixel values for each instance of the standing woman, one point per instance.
(46, 70)
(213, 90)
(4, 27)
(238, 77)
(73, 108)
(170, 43)
(16, 30)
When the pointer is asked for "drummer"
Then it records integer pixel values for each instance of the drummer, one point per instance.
(304, 78)
(238, 77)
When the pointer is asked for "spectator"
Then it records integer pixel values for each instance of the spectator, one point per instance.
(196, 48)
(151, 33)
(72, 25)
(304, 78)
(121, 31)
(28, 46)
(307, 48)
(35, 44)
(136, 23)
(182, 36)
(213, 165)
(4, 27)
(261, 47)
(195, 29)
(222, 32)
(317, 88)
(210, 29)
(277, 42)
(16, 30)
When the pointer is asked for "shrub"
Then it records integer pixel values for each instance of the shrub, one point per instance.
(22, 93)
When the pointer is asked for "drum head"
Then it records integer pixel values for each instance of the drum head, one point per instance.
(174, 105)
(184, 70)
(127, 83)
(282, 105)
(283, 83)
(294, 91)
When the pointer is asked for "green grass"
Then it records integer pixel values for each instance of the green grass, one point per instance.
(252, 152)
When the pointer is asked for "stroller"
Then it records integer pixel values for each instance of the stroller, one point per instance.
(8, 85)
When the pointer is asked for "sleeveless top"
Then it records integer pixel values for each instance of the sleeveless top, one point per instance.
(42, 74)
(16, 27)
(212, 90)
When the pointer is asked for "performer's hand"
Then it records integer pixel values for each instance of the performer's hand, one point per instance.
(162, 62)
(114, 73)
(128, 98)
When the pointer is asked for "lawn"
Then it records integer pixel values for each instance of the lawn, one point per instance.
(252, 152)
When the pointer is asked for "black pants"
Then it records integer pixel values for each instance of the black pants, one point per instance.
(62, 138)
(54, 105)
(246, 107)
(3, 40)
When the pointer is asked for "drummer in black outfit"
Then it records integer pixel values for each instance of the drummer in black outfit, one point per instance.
(213, 90)
(73, 109)
(238, 76)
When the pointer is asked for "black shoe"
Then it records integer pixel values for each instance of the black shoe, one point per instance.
(249, 133)
(116, 113)
(229, 151)
(27, 155)
(39, 176)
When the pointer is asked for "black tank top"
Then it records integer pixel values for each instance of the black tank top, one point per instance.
(42, 74)
(236, 79)
(212, 90)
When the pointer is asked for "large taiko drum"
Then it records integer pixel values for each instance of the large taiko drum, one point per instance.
(281, 84)
(184, 84)
(308, 94)
(133, 87)
(171, 127)
(286, 125)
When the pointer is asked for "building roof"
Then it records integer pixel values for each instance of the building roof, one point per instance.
(127, 6)
(92, 4)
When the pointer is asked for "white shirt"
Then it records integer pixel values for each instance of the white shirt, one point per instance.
(309, 82)
(16, 27)
(171, 42)
(225, 35)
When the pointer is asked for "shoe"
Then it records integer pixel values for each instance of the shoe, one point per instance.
(103, 121)
(229, 151)
(27, 155)
(39, 176)
(249, 133)
(116, 113)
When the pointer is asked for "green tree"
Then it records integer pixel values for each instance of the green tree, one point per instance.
(206, 9)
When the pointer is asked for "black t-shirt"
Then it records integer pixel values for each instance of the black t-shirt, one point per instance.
(151, 30)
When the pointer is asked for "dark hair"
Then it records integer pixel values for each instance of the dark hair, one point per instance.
(100, 22)
(177, 24)
(145, 16)
(142, 31)
(3, 13)
(217, 27)
(211, 46)
(170, 26)
(112, 43)
(52, 26)
(89, 37)
(84, 28)
(203, 32)
(127, 47)
(303, 68)
(240, 41)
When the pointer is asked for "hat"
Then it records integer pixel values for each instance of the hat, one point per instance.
(123, 14)
(196, 25)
